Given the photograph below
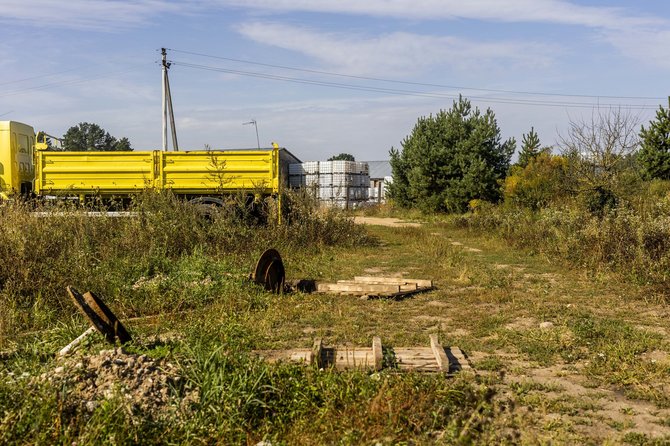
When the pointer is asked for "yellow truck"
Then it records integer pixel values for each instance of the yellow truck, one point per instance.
(17, 168)
(27, 167)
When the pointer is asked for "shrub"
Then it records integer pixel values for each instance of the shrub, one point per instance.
(541, 182)
(634, 244)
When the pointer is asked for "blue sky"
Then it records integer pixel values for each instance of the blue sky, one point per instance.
(96, 61)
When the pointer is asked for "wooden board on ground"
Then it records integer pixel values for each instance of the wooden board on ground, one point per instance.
(420, 283)
(430, 359)
(376, 287)
(350, 287)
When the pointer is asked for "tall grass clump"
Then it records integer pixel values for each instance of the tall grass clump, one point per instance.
(144, 262)
(632, 238)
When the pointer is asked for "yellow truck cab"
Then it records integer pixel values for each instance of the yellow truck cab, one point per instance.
(17, 168)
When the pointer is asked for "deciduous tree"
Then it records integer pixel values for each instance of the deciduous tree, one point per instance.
(600, 154)
(342, 157)
(91, 137)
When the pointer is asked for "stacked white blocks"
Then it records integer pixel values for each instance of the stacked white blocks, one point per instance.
(340, 183)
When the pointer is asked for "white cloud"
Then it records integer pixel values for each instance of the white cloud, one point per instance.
(87, 14)
(547, 11)
(634, 34)
(628, 30)
(108, 14)
(396, 54)
(651, 47)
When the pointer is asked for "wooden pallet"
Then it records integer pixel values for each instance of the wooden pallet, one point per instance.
(376, 287)
(433, 359)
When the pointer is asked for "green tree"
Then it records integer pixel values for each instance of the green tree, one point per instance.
(342, 157)
(654, 154)
(530, 147)
(91, 137)
(449, 159)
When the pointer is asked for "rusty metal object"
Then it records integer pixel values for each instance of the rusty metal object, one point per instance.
(107, 316)
(270, 272)
(101, 325)
(100, 316)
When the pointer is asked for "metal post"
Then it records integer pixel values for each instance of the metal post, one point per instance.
(166, 102)
(175, 144)
(163, 97)
(253, 122)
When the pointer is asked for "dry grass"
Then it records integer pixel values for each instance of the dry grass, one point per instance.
(598, 373)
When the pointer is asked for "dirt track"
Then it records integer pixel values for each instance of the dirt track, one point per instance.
(385, 221)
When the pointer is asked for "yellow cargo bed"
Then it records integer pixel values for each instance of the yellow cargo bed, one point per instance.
(184, 173)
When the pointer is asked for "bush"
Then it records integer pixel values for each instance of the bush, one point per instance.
(543, 181)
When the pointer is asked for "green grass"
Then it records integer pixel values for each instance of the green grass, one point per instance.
(208, 319)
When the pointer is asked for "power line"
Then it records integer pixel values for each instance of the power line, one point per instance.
(18, 81)
(69, 82)
(410, 92)
(422, 84)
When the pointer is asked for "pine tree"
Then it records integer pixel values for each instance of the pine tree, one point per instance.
(530, 147)
(449, 159)
(655, 140)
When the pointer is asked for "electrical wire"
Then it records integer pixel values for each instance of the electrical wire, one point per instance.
(26, 79)
(422, 84)
(69, 82)
(515, 101)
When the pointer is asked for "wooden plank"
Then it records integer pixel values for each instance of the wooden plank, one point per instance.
(461, 361)
(440, 355)
(377, 352)
(300, 355)
(408, 287)
(315, 358)
(347, 358)
(72, 345)
(421, 283)
(357, 288)
(433, 359)
(418, 359)
(293, 355)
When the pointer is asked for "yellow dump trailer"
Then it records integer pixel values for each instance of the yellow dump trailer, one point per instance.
(17, 144)
(93, 173)
(28, 167)
(188, 173)
(184, 173)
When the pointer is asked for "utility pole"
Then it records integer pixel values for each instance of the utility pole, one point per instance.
(166, 102)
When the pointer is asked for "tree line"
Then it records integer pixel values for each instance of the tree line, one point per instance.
(457, 158)
(86, 136)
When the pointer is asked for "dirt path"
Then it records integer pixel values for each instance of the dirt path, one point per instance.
(585, 359)
(385, 221)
